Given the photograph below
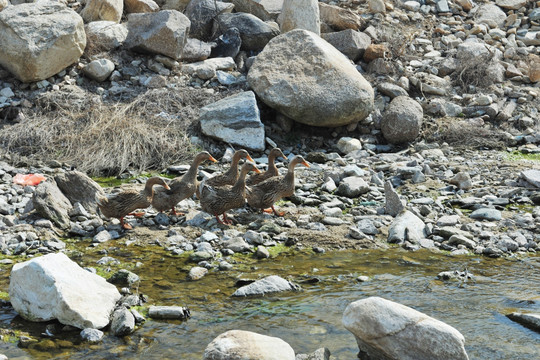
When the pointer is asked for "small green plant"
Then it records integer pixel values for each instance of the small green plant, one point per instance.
(518, 155)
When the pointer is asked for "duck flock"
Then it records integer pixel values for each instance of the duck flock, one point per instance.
(217, 195)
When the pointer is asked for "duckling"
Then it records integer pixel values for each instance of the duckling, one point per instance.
(217, 200)
(123, 203)
(270, 172)
(266, 193)
(181, 187)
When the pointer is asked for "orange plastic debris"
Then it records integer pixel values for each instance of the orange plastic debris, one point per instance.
(28, 179)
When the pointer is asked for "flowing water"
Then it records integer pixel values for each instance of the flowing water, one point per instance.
(311, 319)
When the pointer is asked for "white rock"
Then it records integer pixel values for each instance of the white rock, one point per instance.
(269, 284)
(235, 120)
(348, 144)
(99, 70)
(388, 330)
(300, 14)
(3, 4)
(54, 287)
(207, 69)
(247, 345)
(294, 72)
(22, 30)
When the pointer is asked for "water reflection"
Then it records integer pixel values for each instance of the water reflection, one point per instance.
(311, 319)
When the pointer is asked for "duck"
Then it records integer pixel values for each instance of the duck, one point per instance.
(123, 203)
(217, 200)
(271, 171)
(231, 176)
(265, 194)
(181, 187)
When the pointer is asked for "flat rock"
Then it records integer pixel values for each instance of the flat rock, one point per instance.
(486, 214)
(532, 321)
(54, 287)
(247, 345)
(263, 9)
(234, 120)
(388, 330)
(279, 77)
(168, 312)
(532, 176)
(269, 284)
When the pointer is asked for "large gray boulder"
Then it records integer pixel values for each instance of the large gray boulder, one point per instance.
(234, 120)
(201, 13)
(300, 14)
(308, 80)
(78, 187)
(254, 32)
(402, 120)
(39, 40)
(247, 345)
(50, 203)
(164, 32)
(105, 35)
(269, 284)
(54, 287)
(391, 331)
(103, 10)
(263, 9)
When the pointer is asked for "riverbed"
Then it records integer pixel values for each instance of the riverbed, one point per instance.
(310, 319)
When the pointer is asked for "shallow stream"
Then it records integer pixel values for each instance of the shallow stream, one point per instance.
(311, 319)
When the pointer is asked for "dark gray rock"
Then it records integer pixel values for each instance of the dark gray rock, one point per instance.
(532, 321)
(124, 277)
(228, 44)
(169, 312)
(79, 188)
(201, 13)
(123, 322)
(393, 205)
(254, 32)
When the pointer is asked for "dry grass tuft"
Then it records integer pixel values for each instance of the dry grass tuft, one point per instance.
(461, 134)
(105, 139)
(475, 71)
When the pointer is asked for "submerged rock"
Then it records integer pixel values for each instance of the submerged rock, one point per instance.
(54, 287)
(267, 285)
(169, 312)
(532, 321)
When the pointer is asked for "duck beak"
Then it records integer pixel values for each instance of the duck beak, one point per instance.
(211, 158)
(166, 186)
(305, 163)
(250, 158)
(257, 170)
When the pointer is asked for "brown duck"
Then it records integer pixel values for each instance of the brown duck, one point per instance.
(181, 187)
(230, 177)
(123, 203)
(217, 200)
(270, 172)
(266, 193)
